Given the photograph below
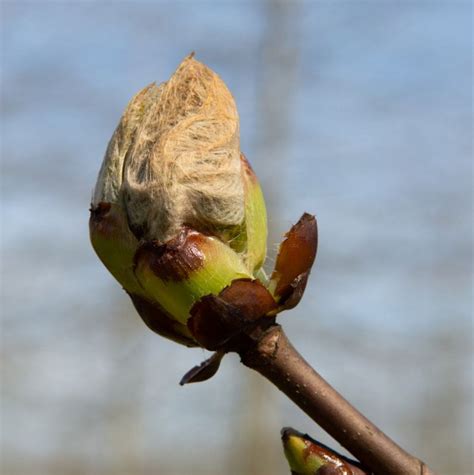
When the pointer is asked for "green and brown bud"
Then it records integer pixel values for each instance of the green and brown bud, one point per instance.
(178, 215)
(306, 456)
(177, 212)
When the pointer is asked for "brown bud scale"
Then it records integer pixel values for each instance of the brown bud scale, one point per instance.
(175, 259)
(295, 258)
(157, 320)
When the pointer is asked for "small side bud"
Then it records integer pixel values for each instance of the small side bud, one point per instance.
(306, 456)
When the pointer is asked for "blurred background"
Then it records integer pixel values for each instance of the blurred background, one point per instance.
(357, 111)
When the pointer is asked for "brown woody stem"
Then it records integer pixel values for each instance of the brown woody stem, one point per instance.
(274, 357)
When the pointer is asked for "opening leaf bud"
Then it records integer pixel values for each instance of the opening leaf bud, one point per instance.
(177, 213)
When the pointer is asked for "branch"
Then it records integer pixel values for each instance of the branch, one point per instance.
(241, 319)
(274, 357)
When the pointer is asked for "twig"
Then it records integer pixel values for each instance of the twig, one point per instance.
(274, 357)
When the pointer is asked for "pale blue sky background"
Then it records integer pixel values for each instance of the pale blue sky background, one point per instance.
(357, 111)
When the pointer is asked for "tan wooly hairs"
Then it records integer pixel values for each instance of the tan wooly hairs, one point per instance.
(174, 159)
